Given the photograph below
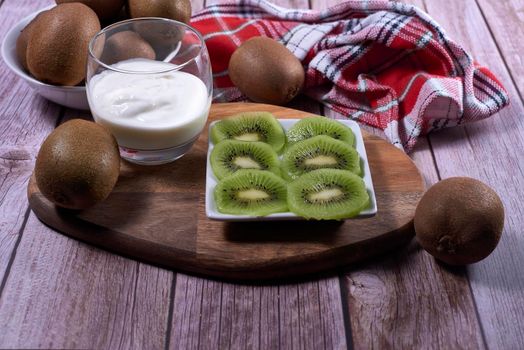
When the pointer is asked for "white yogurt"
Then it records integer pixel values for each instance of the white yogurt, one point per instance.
(149, 111)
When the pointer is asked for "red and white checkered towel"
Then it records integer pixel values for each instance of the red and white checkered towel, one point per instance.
(382, 63)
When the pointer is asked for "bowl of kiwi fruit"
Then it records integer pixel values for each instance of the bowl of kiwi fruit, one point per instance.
(69, 96)
(48, 49)
(262, 168)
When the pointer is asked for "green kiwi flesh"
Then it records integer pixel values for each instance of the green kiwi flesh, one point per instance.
(317, 153)
(327, 194)
(314, 126)
(251, 192)
(229, 156)
(250, 126)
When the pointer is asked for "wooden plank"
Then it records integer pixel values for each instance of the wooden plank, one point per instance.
(187, 305)
(503, 18)
(221, 310)
(489, 150)
(74, 296)
(219, 249)
(106, 301)
(241, 312)
(229, 313)
(382, 292)
(25, 119)
(211, 313)
(391, 306)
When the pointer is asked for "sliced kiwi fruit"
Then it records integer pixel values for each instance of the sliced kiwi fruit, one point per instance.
(251, 192)
(317, 153)
(327, 194)
(250, 126)
(229, 156)
(314, 126)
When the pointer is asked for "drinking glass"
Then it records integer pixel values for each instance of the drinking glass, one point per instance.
(141, 85)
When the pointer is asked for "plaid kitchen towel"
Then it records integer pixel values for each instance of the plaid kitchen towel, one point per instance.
(382, 63)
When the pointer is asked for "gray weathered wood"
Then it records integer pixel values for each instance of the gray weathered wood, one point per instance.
(256, 316)
(211, 313)
(61, 293)
(241, 313)
(489, 150)
(25, 119)
(74, 296)
(392, 305)
(130, 314)
(506, 23)
(412, 287)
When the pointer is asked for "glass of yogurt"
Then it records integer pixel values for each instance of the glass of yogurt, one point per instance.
(149, 82)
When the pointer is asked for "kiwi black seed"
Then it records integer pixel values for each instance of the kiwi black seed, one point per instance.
(319, 152)
(251, 192)
(250, 126)
(328, 194)
(229, 156)
(314, 126)
(459, 220)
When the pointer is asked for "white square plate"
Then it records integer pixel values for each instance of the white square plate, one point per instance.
(211, 181)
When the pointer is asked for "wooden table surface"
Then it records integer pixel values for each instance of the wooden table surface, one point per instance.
(58, 293)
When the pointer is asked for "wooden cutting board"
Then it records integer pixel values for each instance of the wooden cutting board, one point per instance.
(156, 214)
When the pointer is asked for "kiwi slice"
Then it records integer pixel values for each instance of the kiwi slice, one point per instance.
(314, 126)
(317, 153)
(229, 156)
(250, 126)
(328, 194)
(251, 192)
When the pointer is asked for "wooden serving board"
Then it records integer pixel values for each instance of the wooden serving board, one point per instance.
(156, 214)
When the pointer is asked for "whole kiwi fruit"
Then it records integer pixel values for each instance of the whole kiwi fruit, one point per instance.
(266, 71)
(57, 47)
(105, 9)
(126, 45)
(77, 165)
(164, 39)
(459, 220)
(179, 10)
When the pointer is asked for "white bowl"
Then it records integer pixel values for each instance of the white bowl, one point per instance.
(211, 181)
(68, 96)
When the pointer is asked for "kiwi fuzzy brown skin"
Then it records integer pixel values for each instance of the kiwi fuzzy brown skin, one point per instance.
(179, 10)
(163, 40)
(266, 71)
(459, 220)
(57, 48)
(23, 40)
(126, 45)
(77, 165)
(105, 9)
